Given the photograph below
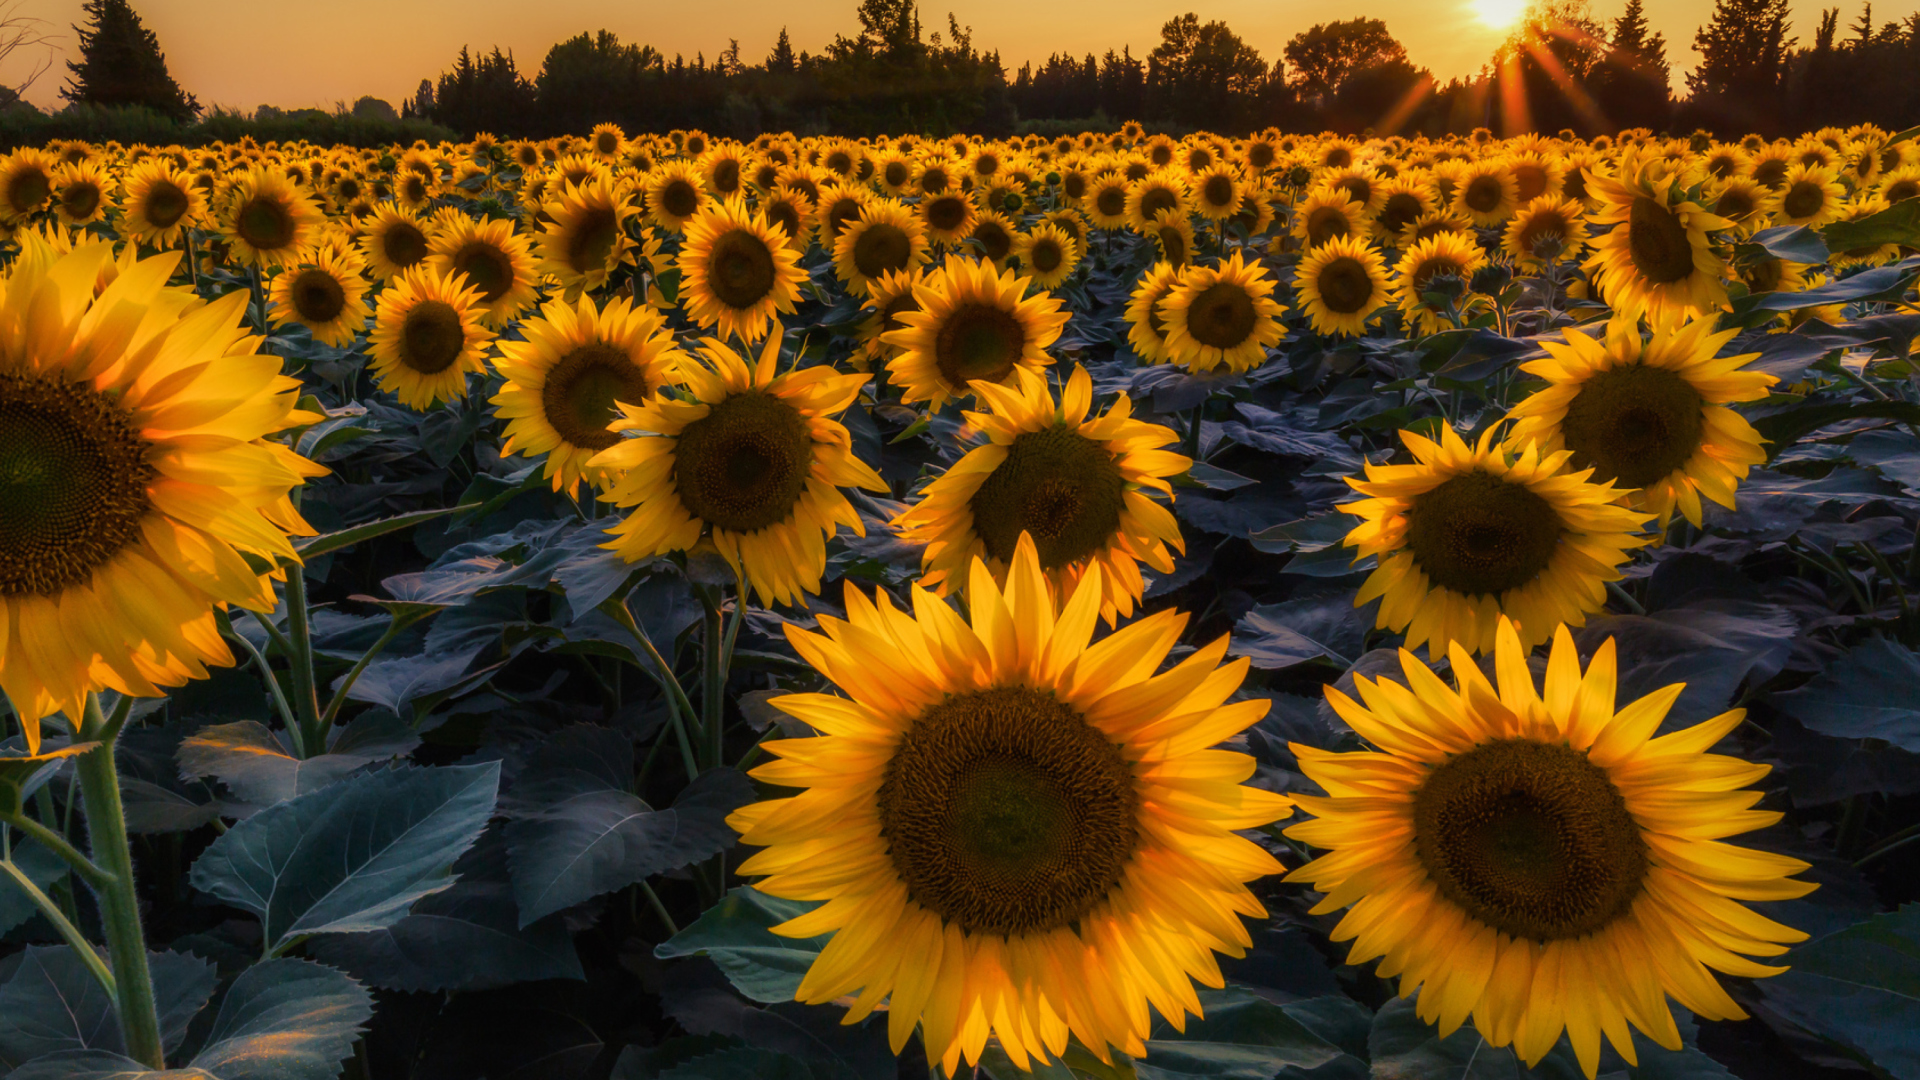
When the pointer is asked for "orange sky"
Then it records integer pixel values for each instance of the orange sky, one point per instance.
(243, 53)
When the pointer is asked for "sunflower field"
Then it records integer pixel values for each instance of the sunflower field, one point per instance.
(1116, 607)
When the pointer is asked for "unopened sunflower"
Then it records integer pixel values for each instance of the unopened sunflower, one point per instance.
(428, 335)
(972, 323)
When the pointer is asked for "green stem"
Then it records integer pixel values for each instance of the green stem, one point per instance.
(81, 946)
(119, 904)
(679, 709)
(306, 696)
(1880, 561)
(273, 685)
(659, 908)
(89, 871)
(397, 627)
(713, 678)
(1625, 597)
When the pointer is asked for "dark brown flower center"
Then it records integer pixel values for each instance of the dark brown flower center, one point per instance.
(947, 213)
(431, 337)
(1112, 200)
(1804, 199)
(740, 269)
(679, 198)
(1218, 191)
(1345, 286)
(978, 341)
(317, 296)
(403, 245)
(1057, 485)
(1657, 242)
(881, 247)
(1483, 193)
(1478, 535)
(591, 240)
(265, 223)
(166, 204)
(582, 387)
(80, 198)
(1327, 223)
(1634, 424)
(489, 270)
(744, 465)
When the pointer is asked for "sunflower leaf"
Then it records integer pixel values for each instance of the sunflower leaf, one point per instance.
(285, 1020)
(1860, 987)
(1242, 1037)
(737, 934)
(311, 546)
(1866, 694)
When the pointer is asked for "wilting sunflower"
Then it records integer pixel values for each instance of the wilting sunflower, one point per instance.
(1048, 254)
(82, 193)
(394, 241)
(1649, 414)
(1222, 317)
(496, 261)
(675, 193)
(586, 238)
(428, 333)
(737, 272)
(1468, 534)
(268, 220)
(751, 462)
(1017, 834)
(1146, 330)
(1538, 861)
(1547, 230)
(1075, 485)
(1810, 195)
(886, 239)
(972, 323)
(328, 296)
(158, 204)
(1446, 255)
(1656, 260)
(1340, 284)
(1486, 192)
(135, 475)
(26, 184)
(567, 374)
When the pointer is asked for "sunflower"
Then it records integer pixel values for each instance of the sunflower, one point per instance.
(737, 272)
(586, 238)
(1148, 197)
(1340, 284)
(1486, 193)
(1467, 534)
(972, 323)
(394, 241)
(948, 217)
(1537, 860)
(26, 184)
(888, 298)
(1075, 485)
(1106, 201)
(752, 462)
(791, 210)
(1859, 208)
(1771, 274)
(1536, 175)
(1404, 200)
(675, 193)
(1146, 330)
(1172, 233)
(1017, 834)
(268, 220)
(1810, 195)
(496, 261)
(886, 239)
(158, 203)
(1744, 201)
(1327, 214)
(607, 141)
(427, 335)
(135, 478)
(1547, 230)
(1216, 193)
(328, 297)
(1222, 317)
(82, 193)
(566, 375)
(1448, 255)
(1648, 414)
(1900, 184)
(1048, 254)
(1656, 260)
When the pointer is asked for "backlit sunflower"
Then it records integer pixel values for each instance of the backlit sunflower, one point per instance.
(394, 241)
(496, 261)
(158, 203)
(1340, 284)
(1404, 200)
(737, 272)
(887, 298)
(749, 461)
(26, 184)
(1149, 196)
(327, 295)
(1146, 330)
(1538, 861)
(82, 193)
(949, 217)
(1810, 195)
(1048, 254)
(565, 377)
(886, 239)
(135, 475)
(1106, 200)
(675, 193)
(972, 323)
(267, 220)
(1855, 209)
(1744, 201)
(792, 210)
(1074, 484)
(1327, 214)
(1649, 414)
(1549, 229)
(1216, 193)
(1466, 535)
(1486, 193)
(1172, 233)
(992, 236)
(1448, 256)
(1018, 834)
(1656, 259)
(428, 334)
(586, 238)
(1222, 317)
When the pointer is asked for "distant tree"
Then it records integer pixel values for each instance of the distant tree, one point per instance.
(373, 108)
(593, 79)
(1554, 55)
(1324, 57)
(23, 32)
(1203, 75)
(486, 93)
(781, 61)
(1632, 83)
(1744, 51)
(121, 64)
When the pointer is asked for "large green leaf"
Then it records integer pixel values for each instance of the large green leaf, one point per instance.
(1897, 224)
(19, 768)
(352, 856)
(1784, 428)
(311, 546)
(285, 1020)
(736, 934)
(42, 867)
(1860, 987)
(1241, 1037)
(248, 757)
(1869, 693)
(53, 1003)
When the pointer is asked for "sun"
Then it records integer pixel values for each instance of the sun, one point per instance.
(1498, 14)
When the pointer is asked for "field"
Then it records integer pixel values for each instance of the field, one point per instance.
(1108, 606)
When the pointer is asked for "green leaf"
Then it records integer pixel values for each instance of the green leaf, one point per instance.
(285, 1020)
(1860, 988)
(737, 934)
(1897, 224)
(1241, 1037)
(42, 867)
(250, 760)
(739, 1063)
(99, 1065)
(1880, 283)
(1784, 428)
(1793, 243)
(310, 546)
(1405, 1047)
(53, 1003)
(352, 856)
(18, 768)
(1310, 534)
(1866, 694)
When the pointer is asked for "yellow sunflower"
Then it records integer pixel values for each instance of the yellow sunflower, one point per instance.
(158, 203)
(1217, 191)
(1074, 484)
(1445, 255)
(1468, 534)
(268, 220)
(1154, 194)
(428, 334)
(972, 323)
(1549, 229)
(1106, 200)
(496, 261)
(1810, 195)
(1222, 317)
(1656, 260)
(1327, 214)
(1649, 414)
(1404, 200)
(993, 235)
(1018, 834)
(887, 238)
(750, 461)
(675, 193)
(586, 238)
(1172, 233)
(1855, 209)
(737, 272)
(566, 376)
(888, 298)
(790, 209)
(394, 241)
(1048, 254)
(135, 476)
(1146, 330)
(26, 184)
(328, 296)
(82, 193)
(1538, 860)
(1340, 284)
(1486, 192)
(949, 217)
(1744, 201)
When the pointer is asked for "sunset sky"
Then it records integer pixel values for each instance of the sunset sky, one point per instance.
(244, 53)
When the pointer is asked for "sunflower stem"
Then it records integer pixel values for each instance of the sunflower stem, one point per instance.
(1625, 597)
(273, 683)
(119, 902)
(82, 948)
(660, 909)
(306, 696)
(713, 677)
(679, 709)
(89, 871)
(394, 629)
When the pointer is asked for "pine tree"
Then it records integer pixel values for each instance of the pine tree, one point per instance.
(121, 64)
(1631, 81)
(1863, 30)
(1743, 51)
(781, 60)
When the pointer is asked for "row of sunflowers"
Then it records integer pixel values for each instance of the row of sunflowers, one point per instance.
(410, 556)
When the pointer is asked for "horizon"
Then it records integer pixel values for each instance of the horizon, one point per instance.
(203, 39)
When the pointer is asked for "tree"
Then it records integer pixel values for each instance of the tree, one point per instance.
(1203, 75)
(121, 64)
(1632, 84)
(373, 108)
(1743, 49)
(1552, 56)
(781, 61)
(18, 32)
(484, 94)
(593, 79)
(1324, 57)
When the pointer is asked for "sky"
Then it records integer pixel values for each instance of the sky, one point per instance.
(245, 53)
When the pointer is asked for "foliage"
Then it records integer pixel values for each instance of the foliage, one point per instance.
(121, 65)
